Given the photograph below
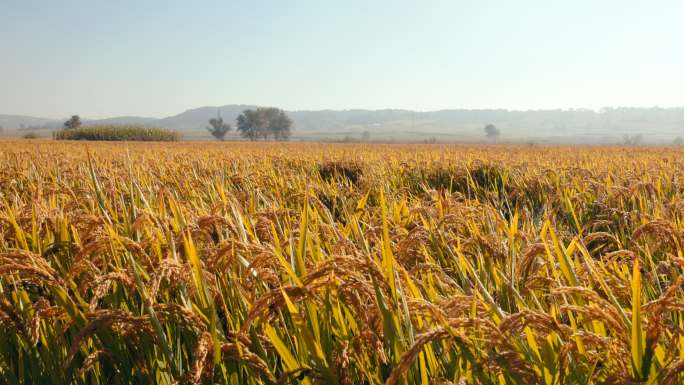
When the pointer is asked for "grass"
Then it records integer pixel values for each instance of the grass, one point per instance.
(264, 263)
(118, 133)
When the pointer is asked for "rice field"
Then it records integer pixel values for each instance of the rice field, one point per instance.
(243, 263)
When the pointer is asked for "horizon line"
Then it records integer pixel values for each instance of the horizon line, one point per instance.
(558, 109)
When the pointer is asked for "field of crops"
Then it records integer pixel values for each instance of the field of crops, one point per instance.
(240, 263)
(113, 132)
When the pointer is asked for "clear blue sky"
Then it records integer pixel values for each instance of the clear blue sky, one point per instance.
(155, 58)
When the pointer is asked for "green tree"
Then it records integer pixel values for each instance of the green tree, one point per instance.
(217, 128)
(365, 136)
(264, 122)
(491, 131)
(249, 124)
(279, 124)
(634, 140)
(73, 122)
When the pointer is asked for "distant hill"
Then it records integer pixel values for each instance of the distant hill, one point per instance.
(15, 122)
(124, 120)
(197, 119)
(656, 125)
(29, 123)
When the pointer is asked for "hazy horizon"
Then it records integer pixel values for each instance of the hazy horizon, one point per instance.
(218, 107)
(155, 59)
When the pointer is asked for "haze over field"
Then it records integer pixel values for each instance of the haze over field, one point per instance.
(607, 126)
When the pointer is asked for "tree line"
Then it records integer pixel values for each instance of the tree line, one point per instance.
(261, 123)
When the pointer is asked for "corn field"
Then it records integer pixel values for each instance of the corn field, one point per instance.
(240, 263)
